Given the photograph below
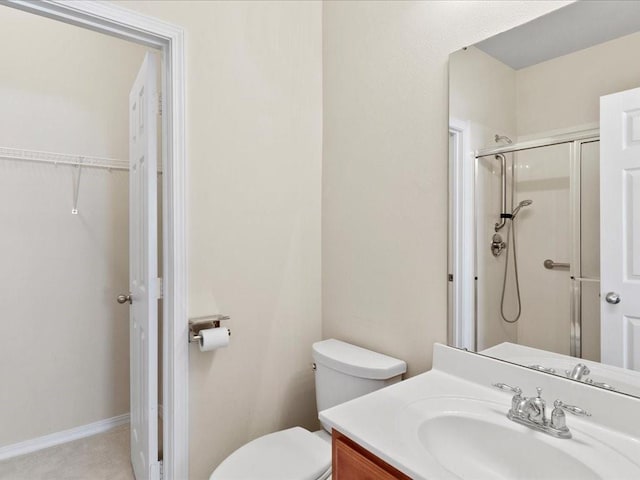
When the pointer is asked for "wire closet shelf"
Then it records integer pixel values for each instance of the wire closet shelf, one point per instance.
(63, 159)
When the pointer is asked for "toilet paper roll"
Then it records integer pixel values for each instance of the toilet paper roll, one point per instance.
(213, 338)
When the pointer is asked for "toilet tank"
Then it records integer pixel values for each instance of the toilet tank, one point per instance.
(345, 372)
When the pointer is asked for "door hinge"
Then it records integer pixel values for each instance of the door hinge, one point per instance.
(160, 288)
(161, 466)
(160, 103)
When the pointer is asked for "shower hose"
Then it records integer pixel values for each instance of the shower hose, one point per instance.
(511, 232)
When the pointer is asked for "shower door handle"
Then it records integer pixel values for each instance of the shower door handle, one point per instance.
(613, 298)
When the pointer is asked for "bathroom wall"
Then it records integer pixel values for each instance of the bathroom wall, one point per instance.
(564, 93)
(63, 339)
(254, 141)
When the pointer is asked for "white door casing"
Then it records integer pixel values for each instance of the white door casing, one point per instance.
(143, 270)
(620, 228)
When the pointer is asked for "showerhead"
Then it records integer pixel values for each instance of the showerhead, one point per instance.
(523, 203)
(501, 138)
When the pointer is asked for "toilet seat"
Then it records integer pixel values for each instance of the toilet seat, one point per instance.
(293, 454)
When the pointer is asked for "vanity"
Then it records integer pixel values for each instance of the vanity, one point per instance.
(452, 423)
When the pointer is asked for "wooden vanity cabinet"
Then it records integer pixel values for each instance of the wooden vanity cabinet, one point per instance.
(352, 462)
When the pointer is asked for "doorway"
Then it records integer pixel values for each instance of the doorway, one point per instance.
(65, 213)
(127, 25)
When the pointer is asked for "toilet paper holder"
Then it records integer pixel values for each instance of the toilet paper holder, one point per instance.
(202, 323)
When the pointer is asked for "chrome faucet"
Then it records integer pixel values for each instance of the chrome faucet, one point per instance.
(531, 412)
(579, 371)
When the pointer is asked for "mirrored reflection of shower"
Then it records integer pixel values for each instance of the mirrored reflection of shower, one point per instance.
(518, 299)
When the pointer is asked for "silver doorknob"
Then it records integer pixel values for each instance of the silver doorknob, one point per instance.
(613, 298)
(124, 299)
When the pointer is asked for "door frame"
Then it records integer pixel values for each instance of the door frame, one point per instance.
(169, 39)
(461, 330)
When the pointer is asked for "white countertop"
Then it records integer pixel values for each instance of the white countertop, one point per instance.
(372, 421)
(378, 421)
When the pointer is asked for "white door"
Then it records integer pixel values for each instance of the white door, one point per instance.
(620, 228)
(143, 271)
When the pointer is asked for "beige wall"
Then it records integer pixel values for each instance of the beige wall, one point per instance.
(385, 165)
(64, 341)
(565, 92)
(254, 139)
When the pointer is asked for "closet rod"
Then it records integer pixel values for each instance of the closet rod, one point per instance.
(63, 159)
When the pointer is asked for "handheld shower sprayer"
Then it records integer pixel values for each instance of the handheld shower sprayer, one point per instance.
(523, 203)
(511, 246)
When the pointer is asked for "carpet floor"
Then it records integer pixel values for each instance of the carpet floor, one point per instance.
(100, 457)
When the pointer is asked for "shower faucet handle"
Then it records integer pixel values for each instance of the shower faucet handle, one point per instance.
(497, 245)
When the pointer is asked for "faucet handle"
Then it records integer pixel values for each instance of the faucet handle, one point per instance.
(590, 381)
(540, 368)
(571, 408)
(508, 388)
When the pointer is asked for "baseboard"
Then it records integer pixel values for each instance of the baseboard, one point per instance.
(58, 438)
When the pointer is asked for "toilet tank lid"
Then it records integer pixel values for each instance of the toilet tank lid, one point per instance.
(356, 361)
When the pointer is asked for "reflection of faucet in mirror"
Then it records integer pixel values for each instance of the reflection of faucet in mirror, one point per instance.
(579, 371)
(538, 138)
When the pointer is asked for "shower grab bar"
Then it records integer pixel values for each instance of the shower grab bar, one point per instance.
(550, 264)
(584, 279)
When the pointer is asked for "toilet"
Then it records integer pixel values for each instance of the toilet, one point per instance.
(343, 372)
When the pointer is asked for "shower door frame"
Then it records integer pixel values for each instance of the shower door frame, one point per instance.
(575, 139)
(575, 261)
(169, 39)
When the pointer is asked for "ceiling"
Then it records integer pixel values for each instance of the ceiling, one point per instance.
(569, 29)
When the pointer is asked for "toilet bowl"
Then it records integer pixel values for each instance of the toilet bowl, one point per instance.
(342, 372)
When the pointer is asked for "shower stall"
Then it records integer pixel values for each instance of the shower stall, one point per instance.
(537, 245)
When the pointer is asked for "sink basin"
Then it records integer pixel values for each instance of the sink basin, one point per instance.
(473, 448)
(467, 438)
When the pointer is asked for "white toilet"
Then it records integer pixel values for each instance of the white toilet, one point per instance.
(343, 372)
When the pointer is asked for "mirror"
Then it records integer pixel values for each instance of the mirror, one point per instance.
(526, 256)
